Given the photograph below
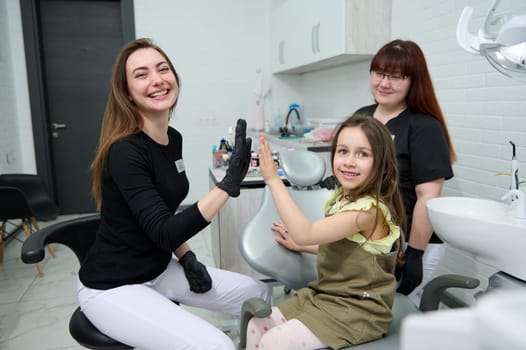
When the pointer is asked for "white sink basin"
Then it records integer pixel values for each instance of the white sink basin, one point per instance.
(487, 229)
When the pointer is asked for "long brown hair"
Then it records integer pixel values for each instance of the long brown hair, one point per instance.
(383, 183)
(406, 57)
(121, 117)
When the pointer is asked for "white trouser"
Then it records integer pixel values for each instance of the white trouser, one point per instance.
(144, 316)
(431, 260)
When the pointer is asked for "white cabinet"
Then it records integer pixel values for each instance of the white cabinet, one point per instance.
(307, 35)
(227, 225)
(283, 31)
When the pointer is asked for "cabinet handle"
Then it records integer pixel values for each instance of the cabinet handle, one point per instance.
(318, 37)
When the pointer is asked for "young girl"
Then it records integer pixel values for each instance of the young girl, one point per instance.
(359, 240)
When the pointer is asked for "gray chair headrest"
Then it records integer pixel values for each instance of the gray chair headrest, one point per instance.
(302, 168)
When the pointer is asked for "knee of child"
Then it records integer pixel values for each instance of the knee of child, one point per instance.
(273, 340)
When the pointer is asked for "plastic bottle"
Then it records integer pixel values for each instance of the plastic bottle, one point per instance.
(260, 117)
(267, 125)
(254, 160)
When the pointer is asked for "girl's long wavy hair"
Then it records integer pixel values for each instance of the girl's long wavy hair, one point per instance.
(383, 182)
(121, 116)
(406, 57)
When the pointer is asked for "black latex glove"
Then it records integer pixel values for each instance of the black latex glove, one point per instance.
(411, 272)
(195, 273)
(239, 161)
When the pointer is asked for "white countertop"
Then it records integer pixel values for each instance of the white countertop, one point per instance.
(299, 143)
(253, 178)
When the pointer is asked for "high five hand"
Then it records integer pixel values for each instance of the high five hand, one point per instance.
(239, 161)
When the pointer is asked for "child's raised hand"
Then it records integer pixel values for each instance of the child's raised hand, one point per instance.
(266, 163)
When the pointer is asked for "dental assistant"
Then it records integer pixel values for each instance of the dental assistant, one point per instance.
(405, 101)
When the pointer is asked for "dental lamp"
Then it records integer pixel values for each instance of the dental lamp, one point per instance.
(502, 40)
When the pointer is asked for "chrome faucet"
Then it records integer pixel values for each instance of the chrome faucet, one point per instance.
(288, 128)
(514, 168)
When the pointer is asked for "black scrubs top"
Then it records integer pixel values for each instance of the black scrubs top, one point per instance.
(422, 153)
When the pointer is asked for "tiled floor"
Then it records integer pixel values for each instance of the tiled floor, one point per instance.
(34, 311)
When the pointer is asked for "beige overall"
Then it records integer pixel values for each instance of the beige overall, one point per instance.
(351, 301)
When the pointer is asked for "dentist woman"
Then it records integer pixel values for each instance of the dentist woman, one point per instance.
(140, 262)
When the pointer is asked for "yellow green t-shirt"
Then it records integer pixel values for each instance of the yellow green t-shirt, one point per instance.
(381, 246)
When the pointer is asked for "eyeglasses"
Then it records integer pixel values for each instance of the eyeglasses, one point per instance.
(394, 78)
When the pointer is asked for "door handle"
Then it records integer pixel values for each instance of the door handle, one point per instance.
(57, 126)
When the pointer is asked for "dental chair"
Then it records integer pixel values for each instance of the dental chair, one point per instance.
(305, 170)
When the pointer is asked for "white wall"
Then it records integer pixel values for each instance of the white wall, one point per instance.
(16, 134)
(217, 47)
(336, 92)
(483, 108)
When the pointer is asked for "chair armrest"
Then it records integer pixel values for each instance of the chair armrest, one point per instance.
(435, 291)
(33, 248)
(253, 307)
(78, 234)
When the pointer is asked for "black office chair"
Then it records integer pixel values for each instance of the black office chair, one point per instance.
(78, 235)
(42, 205)
(14, 206)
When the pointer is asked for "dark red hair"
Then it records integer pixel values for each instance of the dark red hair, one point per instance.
(406, 57)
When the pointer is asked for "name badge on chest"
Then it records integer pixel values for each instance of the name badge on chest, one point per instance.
(180, 165)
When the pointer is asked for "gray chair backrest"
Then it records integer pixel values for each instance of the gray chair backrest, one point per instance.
(266, 256)
(302, 168)
(257, 244)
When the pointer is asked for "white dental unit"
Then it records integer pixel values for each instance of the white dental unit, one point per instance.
(484, 237)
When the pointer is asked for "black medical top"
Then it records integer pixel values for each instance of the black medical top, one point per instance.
(143, 185)
(422, 153)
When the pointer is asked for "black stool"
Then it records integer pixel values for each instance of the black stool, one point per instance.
(78, 235)
(90, 337)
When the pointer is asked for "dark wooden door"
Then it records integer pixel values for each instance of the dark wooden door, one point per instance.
(77, 42)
